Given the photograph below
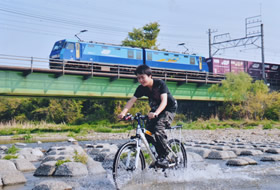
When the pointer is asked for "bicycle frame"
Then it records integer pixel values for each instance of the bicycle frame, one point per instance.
(139, 139)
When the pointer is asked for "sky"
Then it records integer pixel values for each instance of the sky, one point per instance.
(31, 27)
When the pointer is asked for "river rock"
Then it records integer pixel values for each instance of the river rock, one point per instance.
(201, 151)
(71, 169)
(52, 185)
(46, 169)
(94, 167)
(12, 177)
(104, 153)
(237, 162)
(31, 154)
(7, 165)
(271, 158)
(221, 155)
(9, 173)
(194, 157)
(24, 165)
(20, 144)
(243, 161)
(250, 160)
(273, 150)
(250, 152)
(4, 148)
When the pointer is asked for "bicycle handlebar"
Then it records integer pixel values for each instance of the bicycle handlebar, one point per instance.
(130, 117)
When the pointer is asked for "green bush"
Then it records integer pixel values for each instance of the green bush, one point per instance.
(267, 126)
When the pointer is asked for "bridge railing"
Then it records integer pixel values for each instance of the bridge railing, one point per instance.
(90, 69)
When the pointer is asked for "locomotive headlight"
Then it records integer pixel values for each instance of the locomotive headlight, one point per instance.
(55, 56)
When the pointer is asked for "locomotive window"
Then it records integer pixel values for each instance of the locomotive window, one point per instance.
(192, 60)
(70, 46)
(149, 56)
(138, 55)
(117, 48)
(176, 55)
(57, 46)
(166, 53)
(185, 56)
(130, 54)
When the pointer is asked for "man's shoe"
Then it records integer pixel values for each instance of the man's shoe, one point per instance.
(163, 163)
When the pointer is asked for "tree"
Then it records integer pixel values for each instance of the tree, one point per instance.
(235, 92)
(258, 100)
(145, 37)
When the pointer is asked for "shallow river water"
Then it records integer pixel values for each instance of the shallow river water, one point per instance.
(209, 174)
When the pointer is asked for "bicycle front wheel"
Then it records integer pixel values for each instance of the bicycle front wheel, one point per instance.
(125, 166)
(181, 156)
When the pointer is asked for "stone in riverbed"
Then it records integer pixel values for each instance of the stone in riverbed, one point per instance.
(9, 173)
(271, 158)
(273, 150)
(194, 157)
(221, 155)
(201, 151)
(24, 165)
(237, 162)
(46, 169)
(71, 169)
(94, 167)
(243, 161)
(52, 185)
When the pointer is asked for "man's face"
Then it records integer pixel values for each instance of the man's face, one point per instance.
(144, 79)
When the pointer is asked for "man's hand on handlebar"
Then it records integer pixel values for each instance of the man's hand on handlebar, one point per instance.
(121, 116)
(152, 115)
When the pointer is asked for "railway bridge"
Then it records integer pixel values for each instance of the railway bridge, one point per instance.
(31, 77)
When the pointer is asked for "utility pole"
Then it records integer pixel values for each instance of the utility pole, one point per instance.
(209, 36)
(262, 47)
(253, 32)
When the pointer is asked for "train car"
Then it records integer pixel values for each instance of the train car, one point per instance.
(254, 69)
(222, 66)
(73, 51)
(78, 53)
(172, 60)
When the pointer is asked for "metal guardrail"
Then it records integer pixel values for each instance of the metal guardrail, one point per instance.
(89, 69)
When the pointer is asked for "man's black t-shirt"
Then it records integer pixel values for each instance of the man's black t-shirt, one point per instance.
(159, 87)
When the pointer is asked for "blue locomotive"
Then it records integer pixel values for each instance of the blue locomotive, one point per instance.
(78, 52)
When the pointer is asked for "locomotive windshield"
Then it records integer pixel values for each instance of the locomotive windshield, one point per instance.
(58, 46)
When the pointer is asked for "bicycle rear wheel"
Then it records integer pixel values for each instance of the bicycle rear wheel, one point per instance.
(124, 166)
(181, 156)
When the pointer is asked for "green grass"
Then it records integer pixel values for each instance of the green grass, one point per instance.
(10, 156)
(234, 124)
(60, 162)
(26, 131)
(12, 150)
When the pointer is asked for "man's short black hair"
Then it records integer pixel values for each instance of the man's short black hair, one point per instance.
(143, 69)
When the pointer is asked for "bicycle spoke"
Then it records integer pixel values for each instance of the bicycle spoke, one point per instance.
(125, 167)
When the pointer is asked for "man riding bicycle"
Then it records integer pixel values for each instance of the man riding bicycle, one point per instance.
(163, 108)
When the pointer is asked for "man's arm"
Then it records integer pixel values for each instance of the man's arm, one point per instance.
(127, 107)
(161, 107)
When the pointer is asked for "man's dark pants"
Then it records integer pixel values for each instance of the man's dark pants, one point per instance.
(157, 127)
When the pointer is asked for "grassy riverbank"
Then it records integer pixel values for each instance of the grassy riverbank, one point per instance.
(27, 129)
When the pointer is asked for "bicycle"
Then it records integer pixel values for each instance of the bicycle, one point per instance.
(131, 157)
